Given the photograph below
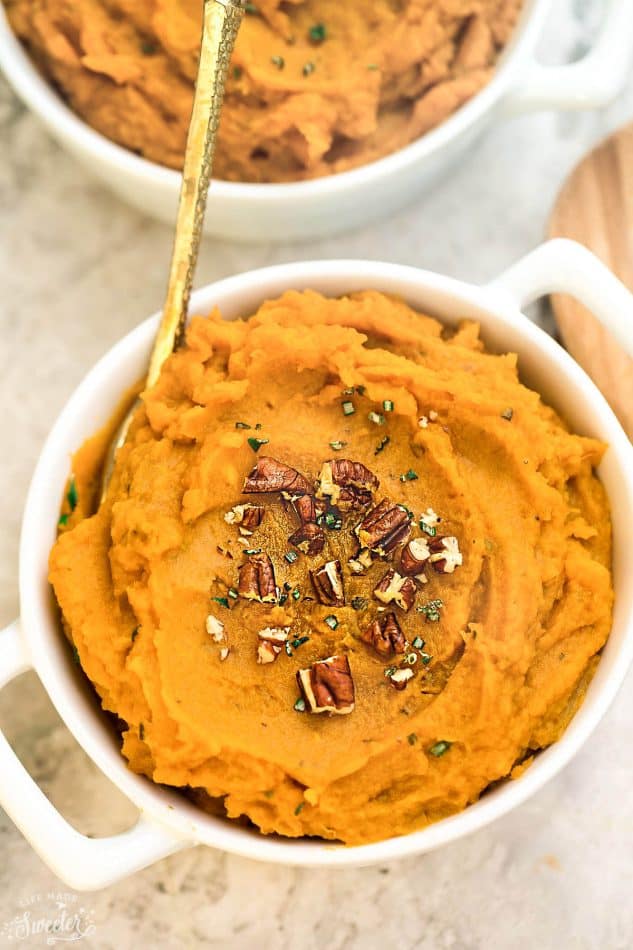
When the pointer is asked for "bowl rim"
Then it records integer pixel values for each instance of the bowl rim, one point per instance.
(50, 655)
(49, 106)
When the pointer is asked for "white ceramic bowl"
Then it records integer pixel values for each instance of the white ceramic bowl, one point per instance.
(283, 212)
(167, 822)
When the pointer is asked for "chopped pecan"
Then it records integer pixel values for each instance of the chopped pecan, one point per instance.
(308, 508)
(327, 686)
(328, 583)
(247, 516)
(215, 628)
(347, 484)
(270, 475)
(445, 554)
(257, 579)
(271, 643)
(384, 528)
(401, 677)
(414, 556)
(360, 562)
(309, 538)
(385, 635)
(400, 590)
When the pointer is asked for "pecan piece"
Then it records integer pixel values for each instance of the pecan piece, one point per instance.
(400, 590)
(328, 583)
(271, 643)
(414, 557)
(309, 538)
(347, 484)
(270, 475)
(327, 686)
(309, 508)
(385, 635)
(257, 579)
(247, 516)
(401, 677)
(384, 528)
(445, 554)
(361, 561)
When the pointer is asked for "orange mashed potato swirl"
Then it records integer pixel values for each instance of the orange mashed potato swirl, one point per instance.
(505, 643)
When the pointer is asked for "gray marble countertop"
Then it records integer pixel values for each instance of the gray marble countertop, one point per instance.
(77, 270)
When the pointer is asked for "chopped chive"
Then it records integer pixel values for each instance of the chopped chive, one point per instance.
(376, 417)
(300, 705)
(299, 808)
(331, 621)
(409, 476)
(317, 33)
(337, 445)
(251, 8)
(332, 522)
(407, 510)
(282, 599)
(134, 634)
(349, 391)
(387, 405)
(278, 61)
(76, 659)
(237, 72)
(372, 66)
(250, 551)
(256, 444)
(308, 69)
(389, 671)
(359, 603)
(71, 496)
(242, 425)
(232, 592)
(291, 556)
(258, 425)
(426, 658)
(269, 793)
(296, 594)
(148, 48)
(221, 600)
(288, 586)
(427, 528)
(440, 748)
(63, 520)
(381, 445)
(360, 390)
(299, 642)
(431, 609)
(412, 738)
(288, 650)
(348, 408)
(418, 643)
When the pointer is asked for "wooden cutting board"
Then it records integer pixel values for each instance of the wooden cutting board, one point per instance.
(595, 207)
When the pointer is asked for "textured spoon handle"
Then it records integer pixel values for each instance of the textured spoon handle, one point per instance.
(221, 22)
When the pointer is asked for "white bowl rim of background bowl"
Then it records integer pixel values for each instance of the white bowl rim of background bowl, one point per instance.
(168, 821)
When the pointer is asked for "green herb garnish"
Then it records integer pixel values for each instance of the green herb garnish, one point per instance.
(233, 593)
(256, 444)
(237, 72)
(388, 405)
(282, 599)
(409, 476)
(148, 48)
(418, 643)
(299, 642)
(331, 621)
(427, 528)
(242, 425)
(251, 8)
(337, 445)
(299, 808)
(269, 793)
(431, 609)
(317, 33)
(221, 600)
(308, 69)
(372, 66)
(348, 408)
(288, 650)
(250, 551)
(291, 556)
(300, 705)
(76, 659)
(382, 444)
(412, 738)
(332, 522)
(359, 603)
(278, 61)
(296, 594)
(389, 671)
(376, 417)
(440, 748)
(63, 520)
(71, 495)
(426, 658)
(134, 634)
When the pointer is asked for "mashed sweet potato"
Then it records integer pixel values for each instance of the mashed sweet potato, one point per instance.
(316, 87)
(338, 479)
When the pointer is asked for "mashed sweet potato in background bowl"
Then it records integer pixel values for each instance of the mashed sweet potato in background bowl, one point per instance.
(346, 753)
(320, 91)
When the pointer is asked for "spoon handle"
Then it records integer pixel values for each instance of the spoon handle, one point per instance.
(221, 21)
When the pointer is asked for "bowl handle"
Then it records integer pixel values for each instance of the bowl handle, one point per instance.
(565, 267)
(595, 80)
(82, 863)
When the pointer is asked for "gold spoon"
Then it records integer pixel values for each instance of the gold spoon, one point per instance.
(221, 21)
